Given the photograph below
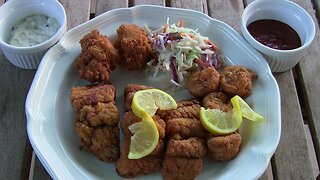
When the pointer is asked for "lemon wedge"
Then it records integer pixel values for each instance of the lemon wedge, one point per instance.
(145, 133)
(145, 138)
(220, 123)
(150, 100)
(241, 106)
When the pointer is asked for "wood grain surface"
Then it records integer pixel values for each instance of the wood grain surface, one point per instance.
(15, 150)
(309, 72)
(152, 2)
(78, 11)
(104, 6)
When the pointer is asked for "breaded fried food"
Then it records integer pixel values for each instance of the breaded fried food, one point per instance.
(98, 57)
(237, 80)
(224, 148)
(96, 120)
(130, 118)
(217, 100)
(203, 82)
(184, 128)
(192, 148)
(134, 45)
(102, 142)
(91, 95)
(100, 114)
(129, 92)
(129, 168)
(185, 109)
(181, 168)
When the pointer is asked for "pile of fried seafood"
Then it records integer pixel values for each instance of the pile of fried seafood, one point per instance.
(183, 141)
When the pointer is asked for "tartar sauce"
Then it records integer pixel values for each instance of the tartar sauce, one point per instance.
(33, 30)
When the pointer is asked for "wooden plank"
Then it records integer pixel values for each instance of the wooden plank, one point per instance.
(78, 11)
(15, 151)
(104, 6)
(309, 67)
(316, 5)
(153, 2)
(229, 11)
(267, 175)
(200, 5)
(93, 6)
(291, 160)
(37, 171)
(314, 163)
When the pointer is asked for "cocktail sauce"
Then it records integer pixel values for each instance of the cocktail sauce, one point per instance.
(274, 34)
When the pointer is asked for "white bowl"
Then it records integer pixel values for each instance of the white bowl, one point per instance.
(14, 11)
(288, 13)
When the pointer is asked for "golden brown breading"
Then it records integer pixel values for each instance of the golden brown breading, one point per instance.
(201, 83)
(100, 114)
(223, 148)
(96, 120)
(102, 142)
(184, 128)
(236, 80)
(129, 92)
(91, 95)
(185, 109)
(191, 148)
(180, 168)
(217, 100)
(129, 168)
(134, 45)
(98, 57)
(129, 118)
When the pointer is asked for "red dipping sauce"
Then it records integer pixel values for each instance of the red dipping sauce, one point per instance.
(274, 34)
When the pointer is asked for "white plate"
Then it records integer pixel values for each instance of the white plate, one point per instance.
(50, 116)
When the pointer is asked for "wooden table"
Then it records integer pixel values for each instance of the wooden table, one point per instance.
(298, 154)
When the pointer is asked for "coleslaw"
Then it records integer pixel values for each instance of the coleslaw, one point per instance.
(179, 49)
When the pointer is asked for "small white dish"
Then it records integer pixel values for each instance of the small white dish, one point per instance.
(14, 11)
(289, 13)
(51, 119)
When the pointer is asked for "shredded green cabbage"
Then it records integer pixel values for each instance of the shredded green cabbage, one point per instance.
(177, 48)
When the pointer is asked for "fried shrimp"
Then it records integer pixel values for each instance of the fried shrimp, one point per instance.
(223, 148)
(134, 45)
(217, 100)
(200, 83)
(236, 80)
(97, 59)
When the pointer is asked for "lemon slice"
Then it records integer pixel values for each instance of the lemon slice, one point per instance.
(150, 100)
(219, 122)
(145, 138)
(241, 106)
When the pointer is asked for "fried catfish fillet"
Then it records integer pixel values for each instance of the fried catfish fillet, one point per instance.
(96, 120)
(185, 109)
